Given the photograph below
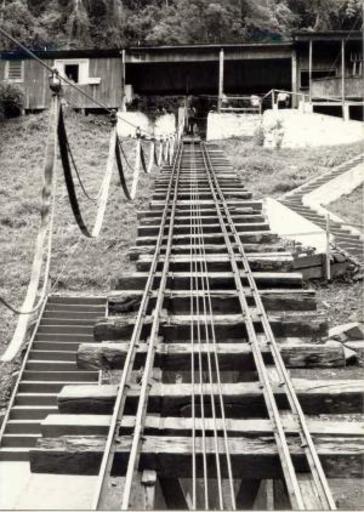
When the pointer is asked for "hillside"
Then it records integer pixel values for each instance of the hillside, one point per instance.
(91, 265)
(119, 23)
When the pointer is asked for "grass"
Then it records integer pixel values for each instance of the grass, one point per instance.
(350, 208)
(95, 264)
(276, 171)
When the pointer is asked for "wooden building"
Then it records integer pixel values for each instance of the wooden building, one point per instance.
(322, 66)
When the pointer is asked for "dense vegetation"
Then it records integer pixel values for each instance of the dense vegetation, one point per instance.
(116, 23)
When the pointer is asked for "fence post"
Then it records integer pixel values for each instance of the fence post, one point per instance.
(328, 263)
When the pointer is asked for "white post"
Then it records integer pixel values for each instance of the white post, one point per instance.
(123, 81)
(294, 102)
(221, 79)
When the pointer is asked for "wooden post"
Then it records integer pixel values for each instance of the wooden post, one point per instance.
(343, 76)
(294, 102)
(221, 79)
(328, 267)
(123, 81)
(310, 55)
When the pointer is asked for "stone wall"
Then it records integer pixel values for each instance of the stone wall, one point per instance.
(164, 125)
(226, 125)
(289, 128)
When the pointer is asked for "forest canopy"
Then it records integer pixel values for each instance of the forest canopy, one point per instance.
(58, 24)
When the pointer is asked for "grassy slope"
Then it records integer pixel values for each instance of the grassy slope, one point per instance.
(95, 263)
(351, 208)
(274, 172)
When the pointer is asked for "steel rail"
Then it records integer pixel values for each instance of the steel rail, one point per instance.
(318, 474)
(107, 460)
(207, 293)
(288, 469)
(134, 455)
(206, 329)
(193, 399)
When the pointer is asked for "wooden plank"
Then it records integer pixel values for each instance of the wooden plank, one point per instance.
(232, 356)
(258, 237)
(181, 280)
(223, 301)
(55, 425)
(242, 399)
(177, 327)
(268, 262)
(137, 250)
(171, 457)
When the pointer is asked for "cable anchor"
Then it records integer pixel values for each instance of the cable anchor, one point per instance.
(55, 83)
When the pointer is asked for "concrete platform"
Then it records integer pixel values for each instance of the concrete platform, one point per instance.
(22, 490)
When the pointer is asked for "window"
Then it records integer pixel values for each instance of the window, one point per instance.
(14, 70)
(76, 70)
(72, 71)
(305, 76)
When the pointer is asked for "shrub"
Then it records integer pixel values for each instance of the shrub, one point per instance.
(259, 136)
(11, 101)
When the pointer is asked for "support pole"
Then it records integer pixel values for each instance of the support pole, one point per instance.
(362, 58)
(123, 81)
(221, 79)
(343, 76)
(294, 102)
(328, 267)
(310, 55)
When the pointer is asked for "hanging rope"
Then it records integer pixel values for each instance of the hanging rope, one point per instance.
(43, 245)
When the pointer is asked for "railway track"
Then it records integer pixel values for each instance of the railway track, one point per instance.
(205, 413)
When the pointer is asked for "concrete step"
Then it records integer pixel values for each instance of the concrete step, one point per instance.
(19, 440)
(52, 355)
(58, 376)
(10, 454)
(31, 412)
(42, 386)
(50, 365)
(33, 398)
(23, 427)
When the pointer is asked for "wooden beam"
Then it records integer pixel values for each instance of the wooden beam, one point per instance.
(267, 262)
(177, 327)
(136, 251)
(55, 425)
(232, 356)
(220, 280)
(223, 301)
(171, 457)
(242, 399)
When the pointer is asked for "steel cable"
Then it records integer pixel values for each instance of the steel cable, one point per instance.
(200, 366)
(207, 341)
(204, 272)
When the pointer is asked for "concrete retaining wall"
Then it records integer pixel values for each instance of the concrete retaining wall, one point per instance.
(226, 125)
(289, 224)
(164, 125)
(290, 128)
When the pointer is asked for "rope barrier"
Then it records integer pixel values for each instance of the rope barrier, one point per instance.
(57, 135)
(43, 245)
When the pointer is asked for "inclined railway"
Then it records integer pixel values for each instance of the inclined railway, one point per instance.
(172, 413)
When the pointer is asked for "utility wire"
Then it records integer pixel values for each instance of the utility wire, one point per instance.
(64, 79)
